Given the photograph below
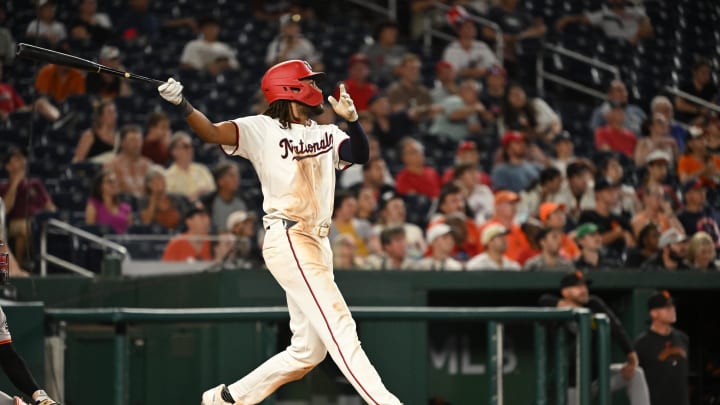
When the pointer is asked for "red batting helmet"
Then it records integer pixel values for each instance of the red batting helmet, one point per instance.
(282, 82)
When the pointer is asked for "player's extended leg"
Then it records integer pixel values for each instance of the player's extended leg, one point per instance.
(306, 350)
(302, 264)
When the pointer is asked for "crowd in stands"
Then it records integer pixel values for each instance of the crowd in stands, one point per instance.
(469, 169)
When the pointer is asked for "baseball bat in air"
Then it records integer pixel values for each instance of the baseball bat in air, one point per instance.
(58, 58)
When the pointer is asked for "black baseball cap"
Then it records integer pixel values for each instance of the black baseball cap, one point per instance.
(574, 278)
(386, 197)
(13, 151)
(660, 299)
(196, 208)
(562, 136)
(693, 184)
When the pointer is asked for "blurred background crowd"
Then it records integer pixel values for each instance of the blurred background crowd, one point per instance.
(480, 160)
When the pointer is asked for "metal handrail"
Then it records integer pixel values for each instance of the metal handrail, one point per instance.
(143, 237)
(430, 32)
(578, 56)
(45, 257)
(687, 96)
(390, 11)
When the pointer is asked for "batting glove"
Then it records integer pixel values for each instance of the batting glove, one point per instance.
(41, 398)
(345, 107)
(171, 91)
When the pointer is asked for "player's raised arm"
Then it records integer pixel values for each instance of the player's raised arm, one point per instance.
(222, 133)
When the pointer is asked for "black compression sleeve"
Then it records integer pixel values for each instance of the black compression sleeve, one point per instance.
(358, 149)
(596, 304)
(15, 368)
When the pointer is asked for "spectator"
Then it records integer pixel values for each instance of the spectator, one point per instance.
(56, 83)
(592, 255)
(515, 173)
(291, 44)
(104, 206)
(663, 353)
(505, 211)
(7, 43)
(344, 253)
(138, 24)
(518, 28)
(373, 172)
(206, 52)
(658, 139)
(357, 82)
(22, 197)
(385, 54)
(388, 126)
(391, 213)
(612, 170)
(193, 244)
(576, 194)
(366, 203)
(408, 93)
(90, 27)
(617, 95)
(445, 84)
(185, 176)
(656, 210)
(467, 153)
(157, 138)
(356, 173)
(701, 252)
(671, 254)
(99, 142)
(478, 197)
(648, 238)
(549, 259)
(157, 206)
(563, 147)
(617, 21)
(553, 216)
(461, 114)
(534, 117)
(45, 27)
(451, 203)
(223, 200)
(494, 241)
(574, 294)
(701, 85)
(415, 177)
(614, 136)
(129, 165)
(712, 134)
(441, 242)
(470, 57)
(697, 215)
(394, 251)
(493, 93)
(662, 105)
(656, 174)
(105, 86)
(345, 222)
(697, 162)
(614, 230)
(245, 252)
(531, 228)
(10, 99)
(544, 189)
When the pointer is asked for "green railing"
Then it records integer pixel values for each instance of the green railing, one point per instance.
(121, 318)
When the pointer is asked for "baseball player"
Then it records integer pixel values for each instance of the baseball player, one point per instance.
(295, 159)
(12, 364)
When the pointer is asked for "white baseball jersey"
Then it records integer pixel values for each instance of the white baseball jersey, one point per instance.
(4, 330)
(296, 166)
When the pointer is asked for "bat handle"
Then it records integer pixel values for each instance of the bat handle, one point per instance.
(143, 79)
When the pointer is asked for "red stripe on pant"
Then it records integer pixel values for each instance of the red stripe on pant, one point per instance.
(327, 324)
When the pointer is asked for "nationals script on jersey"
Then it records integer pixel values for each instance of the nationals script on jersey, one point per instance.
(296, 166)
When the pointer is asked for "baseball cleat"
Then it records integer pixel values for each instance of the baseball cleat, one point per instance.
(217, 396)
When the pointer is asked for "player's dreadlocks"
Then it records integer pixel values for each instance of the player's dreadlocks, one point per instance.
(281, 110)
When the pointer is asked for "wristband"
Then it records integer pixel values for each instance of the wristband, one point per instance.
(185, 108)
